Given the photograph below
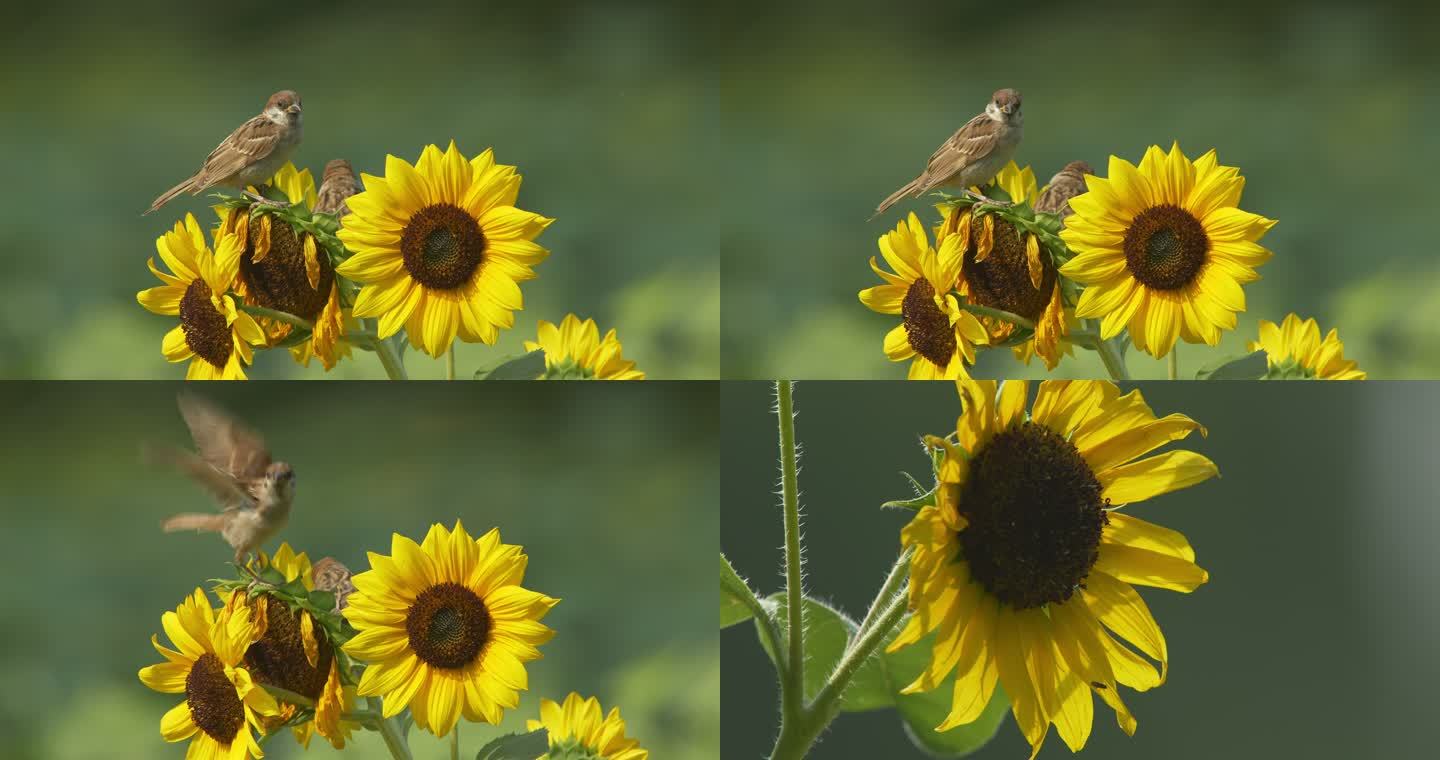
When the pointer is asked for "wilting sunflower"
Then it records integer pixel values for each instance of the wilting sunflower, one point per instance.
(1295, 347)
(1003, 269)
(579, 728)
(1164, 249)
(447, 627)
(575, 351)
(213, 335)
(933, 329)
(1026, 559)
(442, 248)
(291, 652)
(284, 268)
(222, 701)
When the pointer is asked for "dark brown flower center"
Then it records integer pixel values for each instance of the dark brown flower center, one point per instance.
(1002, 280)
(926, 326)
(206, 332)
(448, 626)
(1035, 515)
(280, 280)
(1165, 246)
(278, 658)
(214, 705)
(442, 246)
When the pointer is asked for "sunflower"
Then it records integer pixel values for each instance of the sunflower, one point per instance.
(442, 248)
(1164, 249)
(934, 330)
(284, 268)
(575, 350)
(290, 653)
(1295, 348)
(447, 627)
(1026, 560)
(213, 334)
(1004, 269)
(579, 728)
(222, 701)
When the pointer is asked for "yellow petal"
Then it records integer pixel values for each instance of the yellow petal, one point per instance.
(1132, 531)
(1148, 568)
(1121, 609)
(1154, 476)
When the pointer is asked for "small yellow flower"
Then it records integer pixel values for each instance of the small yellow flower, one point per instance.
(222, 701)
(934, 331)
(580, 727)
(575, 350)
(441, 248)
(446, 627)
(1023, 568)
(1163, 249)
(1296, 344)
(213, 335)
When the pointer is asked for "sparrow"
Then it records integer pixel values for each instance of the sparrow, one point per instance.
(974, 154)
(330, 575)
(254, 492)
(1070, 182)
(251, 154)
(339, 183)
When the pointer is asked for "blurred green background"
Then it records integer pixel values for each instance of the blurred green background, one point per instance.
(1314, 638)
(610, 488)
(1328, 108)
(600, 106)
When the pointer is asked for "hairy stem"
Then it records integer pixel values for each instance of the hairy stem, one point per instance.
(450, 363)
(394, 742)
(1174, 364)
(394, 368)
(792, 692)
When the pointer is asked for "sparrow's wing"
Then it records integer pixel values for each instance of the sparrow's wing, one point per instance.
(333, 194)
(225, 443)
(974, 140)
(228, 492)
(254, 140)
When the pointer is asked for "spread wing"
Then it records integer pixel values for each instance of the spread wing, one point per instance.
(254, 140)
(224, 443)
(968, 143)
(223, 488)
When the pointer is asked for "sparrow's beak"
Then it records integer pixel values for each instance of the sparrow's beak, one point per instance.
(295, 109)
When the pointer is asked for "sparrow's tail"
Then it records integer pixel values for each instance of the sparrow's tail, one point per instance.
(165, 197)
(200, 523)
(910, 188)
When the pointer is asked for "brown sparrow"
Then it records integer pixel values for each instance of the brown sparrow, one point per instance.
(339, 183)
(254, 493)
(330, 575)
(1070, 182)
(974, 154)
(251, 154)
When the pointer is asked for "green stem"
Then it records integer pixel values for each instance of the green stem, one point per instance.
(1000, 314)
(798, 734)
(455, 742)
(765, 619)
(394, 368)
(285, 695)
(1174, 363)
(1114, 363)
(792, 692)
(391, 735)
(450, 363)
(278, 316)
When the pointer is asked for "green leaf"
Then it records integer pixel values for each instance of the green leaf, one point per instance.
(827, 633)
(1252, 366)
(526, 367)
(324, 600)
(736, 598)
(921, 713)
(517, 746)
